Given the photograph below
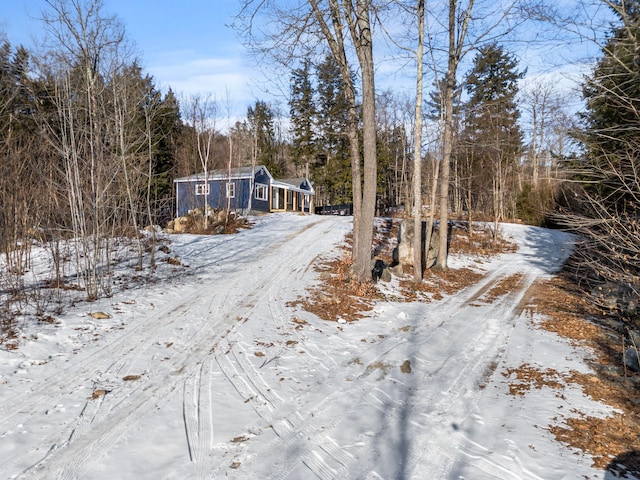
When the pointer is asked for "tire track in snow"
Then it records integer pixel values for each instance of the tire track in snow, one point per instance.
(77, 455)
(457, 399)
(246, 379)
(198, 415)
(66, 380)
(119, 395)
(307, 440)
(241, 373)
(426, 453)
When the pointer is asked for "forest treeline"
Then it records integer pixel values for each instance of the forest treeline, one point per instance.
(89, 146)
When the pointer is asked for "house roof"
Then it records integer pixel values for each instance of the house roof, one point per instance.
(221, 174)
(238, 173)
(292, 181)
(296, 183)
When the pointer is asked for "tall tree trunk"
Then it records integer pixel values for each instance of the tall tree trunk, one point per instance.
(364, 49)
(355, 18)
(417, 153)
(456, 42)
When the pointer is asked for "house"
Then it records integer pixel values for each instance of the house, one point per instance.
(243, 189)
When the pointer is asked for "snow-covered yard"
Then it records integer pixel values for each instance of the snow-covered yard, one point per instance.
(212, 371)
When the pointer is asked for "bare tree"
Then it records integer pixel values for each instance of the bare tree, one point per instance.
(604, 193)
(202, 112)
(417, 150)
(542, 103)
(486, 21)
(87, 50)
(458, 24)
(355, 18)
(344, 26)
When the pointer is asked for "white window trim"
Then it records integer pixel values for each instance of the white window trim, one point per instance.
(261, 192)
(203, 188)
(231, 190)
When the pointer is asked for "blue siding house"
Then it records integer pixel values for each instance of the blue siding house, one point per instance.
(244, 190)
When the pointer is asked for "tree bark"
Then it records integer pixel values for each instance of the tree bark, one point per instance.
(417, 153)
(356, 19)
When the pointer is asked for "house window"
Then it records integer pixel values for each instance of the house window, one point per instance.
(261, 192)
(202, 189)
(231, 190)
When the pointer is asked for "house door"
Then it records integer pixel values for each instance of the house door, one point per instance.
(278, 198)
(290, 200)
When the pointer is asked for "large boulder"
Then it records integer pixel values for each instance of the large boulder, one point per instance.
(182, 224)
(403, 253)
(432, 252)
(404, 250)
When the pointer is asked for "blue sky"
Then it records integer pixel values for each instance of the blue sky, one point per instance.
(187, 45)
(184, 45)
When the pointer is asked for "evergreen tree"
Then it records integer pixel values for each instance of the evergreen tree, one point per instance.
(260, 119)
(19, 172)
(333, 172)
(612, 92)
(491, 137)
(166, 128)
(302, 114)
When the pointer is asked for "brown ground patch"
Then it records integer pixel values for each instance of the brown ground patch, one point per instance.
(568, 313)
(527, 377)
(504, 286)
(338, 296)
(437, 283)
(479, 241)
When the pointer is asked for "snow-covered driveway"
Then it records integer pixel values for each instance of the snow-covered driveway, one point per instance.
(210, 373)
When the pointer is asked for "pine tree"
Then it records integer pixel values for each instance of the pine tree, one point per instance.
(612, 92)
(491, 137)
(302, 112)
(260, 119)
(333, 172)
(166, 129)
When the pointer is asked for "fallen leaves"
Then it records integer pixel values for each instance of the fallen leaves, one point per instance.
(613, 441)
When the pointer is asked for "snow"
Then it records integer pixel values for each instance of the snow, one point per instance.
(209, 371)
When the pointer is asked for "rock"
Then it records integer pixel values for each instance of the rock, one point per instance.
(396, 269)
(406, 367)
(631, 360)
(403, 253)
(181, 224)
(386, 275)
(434, 249)
(222, 216)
